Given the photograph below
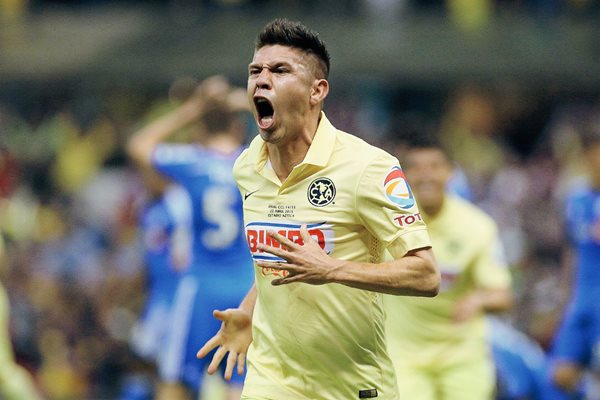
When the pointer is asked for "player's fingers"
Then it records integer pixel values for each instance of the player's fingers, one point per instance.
(277, 265)
(216, 360)
(208, 346)
(231, 358)
(222, 315)
(276, 251)
(241, 361)
(306, 238)
(286, 280)
(283, 240)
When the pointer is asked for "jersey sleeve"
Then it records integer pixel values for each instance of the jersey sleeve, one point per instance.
(490, 266)
(386, 206)
(177, 161)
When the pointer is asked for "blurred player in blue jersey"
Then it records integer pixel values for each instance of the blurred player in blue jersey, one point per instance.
(221, 270)
(165, 230)
(521, 364)
(165, 225)
(576, 347)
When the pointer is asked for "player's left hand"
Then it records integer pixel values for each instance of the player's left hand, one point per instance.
(467, 308)
(306, 262)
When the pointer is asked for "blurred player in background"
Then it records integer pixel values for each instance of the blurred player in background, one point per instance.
(521, 364)
(165, 226)
(221, 269)
(439, 346)
(576, 346)
(15, 381)
(319, 208)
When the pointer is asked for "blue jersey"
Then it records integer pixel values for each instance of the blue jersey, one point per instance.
(520, 362)
(222, 270)
(165, 231)
(165, 226)
(220, 250)
(578, 337)
(583, 229)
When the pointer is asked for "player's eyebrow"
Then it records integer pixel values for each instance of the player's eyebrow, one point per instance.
(273, 64)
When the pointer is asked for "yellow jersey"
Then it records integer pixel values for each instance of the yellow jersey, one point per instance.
(326, 341)
(420, 331)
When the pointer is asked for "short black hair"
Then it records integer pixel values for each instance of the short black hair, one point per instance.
(284, 32)
(218, 117)
(425, 141)
(590, 135)
(414, 131)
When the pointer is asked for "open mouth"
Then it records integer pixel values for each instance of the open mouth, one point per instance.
(265, 112)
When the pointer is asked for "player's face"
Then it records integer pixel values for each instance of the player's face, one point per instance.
(280, 80)
(428, 172)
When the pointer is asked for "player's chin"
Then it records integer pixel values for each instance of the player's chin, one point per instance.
(268, 135)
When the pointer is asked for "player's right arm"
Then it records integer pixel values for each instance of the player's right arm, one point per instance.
(233, 338)
(142, 143)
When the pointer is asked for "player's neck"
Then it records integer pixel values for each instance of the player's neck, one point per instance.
(432, 210)
(221, 142)
(286, 155)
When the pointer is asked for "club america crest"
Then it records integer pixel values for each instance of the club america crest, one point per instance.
(321, 192)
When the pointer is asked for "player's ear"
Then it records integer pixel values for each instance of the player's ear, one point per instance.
(319, 90)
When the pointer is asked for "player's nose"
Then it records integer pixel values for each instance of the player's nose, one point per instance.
(263, 81)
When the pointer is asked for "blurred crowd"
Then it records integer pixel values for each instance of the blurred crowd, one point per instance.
(467, 14)
(69, 201)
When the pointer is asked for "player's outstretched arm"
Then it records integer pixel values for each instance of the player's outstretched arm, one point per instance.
(233, 338)
(414, 274)
(142, 143)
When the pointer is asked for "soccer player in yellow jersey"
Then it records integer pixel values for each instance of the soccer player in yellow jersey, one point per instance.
(321, 207)
(438, 346)
(15, 382)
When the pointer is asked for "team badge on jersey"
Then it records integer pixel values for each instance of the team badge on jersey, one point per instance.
(397, 189)
(321, 192)
(256, 233)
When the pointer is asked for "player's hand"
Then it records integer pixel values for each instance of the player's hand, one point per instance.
(306, 262)
(233, 339)
(214, 88)
(467, 308)
(237, 100)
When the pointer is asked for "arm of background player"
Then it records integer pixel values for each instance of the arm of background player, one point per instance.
(483, 300)
(233, 338)
(492, 292)
(142, 143)
(568, 262)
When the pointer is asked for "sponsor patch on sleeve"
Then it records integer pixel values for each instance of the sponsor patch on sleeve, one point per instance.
(397, 188)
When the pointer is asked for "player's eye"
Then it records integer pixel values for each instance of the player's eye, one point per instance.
(280, 70)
